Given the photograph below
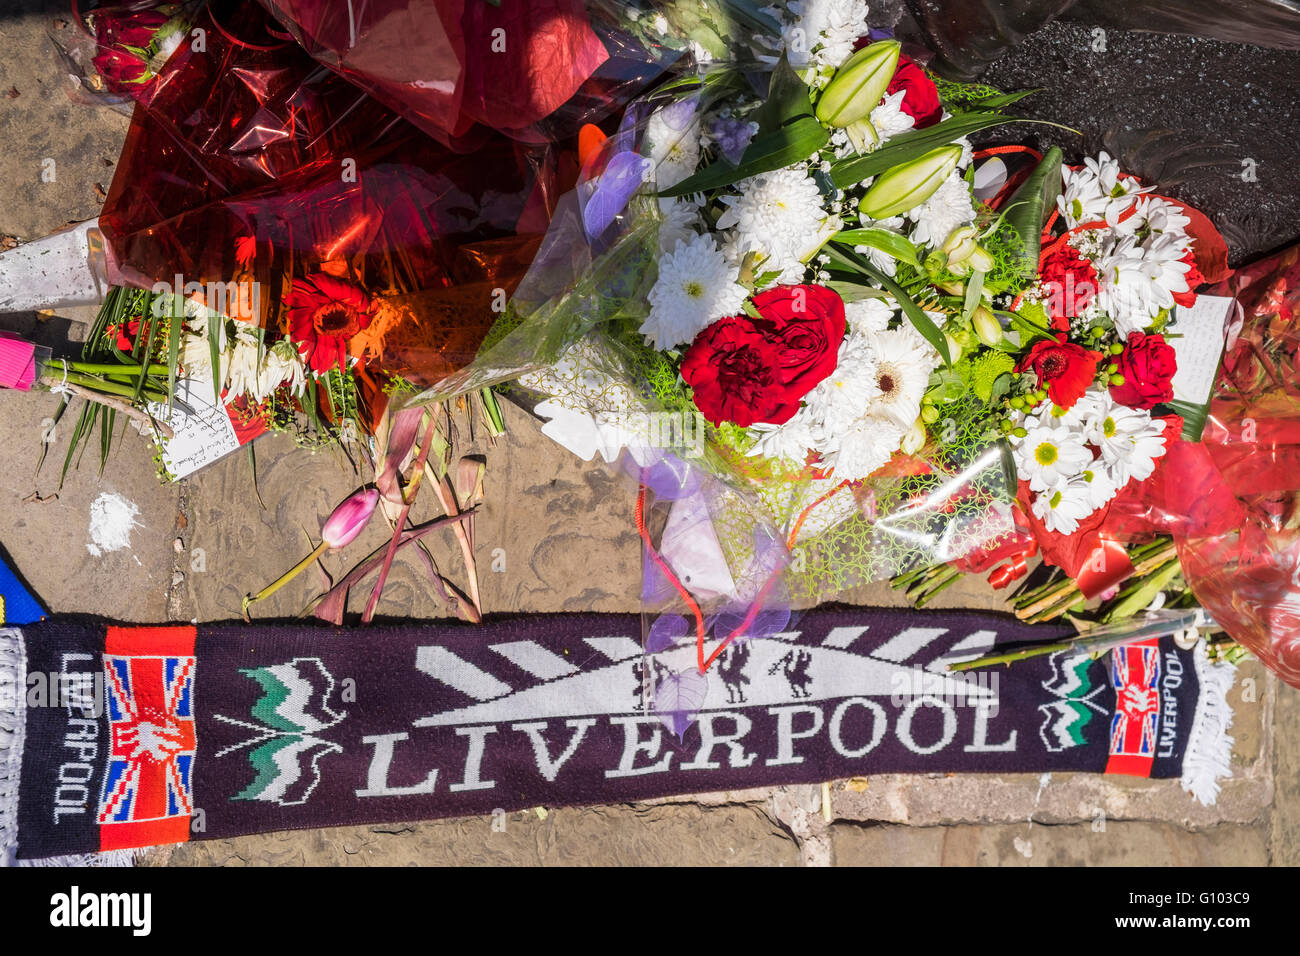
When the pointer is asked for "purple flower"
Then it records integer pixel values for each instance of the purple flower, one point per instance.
(732, 136)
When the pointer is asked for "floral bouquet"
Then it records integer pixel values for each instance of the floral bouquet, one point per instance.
(840, 344)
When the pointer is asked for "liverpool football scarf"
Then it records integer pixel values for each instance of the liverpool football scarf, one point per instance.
(122, 737)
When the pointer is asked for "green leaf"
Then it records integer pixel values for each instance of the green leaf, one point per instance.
(908, 146)
(776, 150)
(923, 323)
(888, 242)
(787, 100)
(974, 289)
(1030, 205)
(214, 350)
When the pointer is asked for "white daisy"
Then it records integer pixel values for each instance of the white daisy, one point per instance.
(1048, 456)
(778, 215)
(1130, 441)
(1063, 507)
(1099, 485)
(696, 287)
(1096, 192)
(946, 209)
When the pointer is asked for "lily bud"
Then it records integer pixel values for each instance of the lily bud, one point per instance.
(965, 255)
(349, 519)
(987, 326)
(954, 347)
(910, 184)
(914, 440)
(862, 135)
(858, 84)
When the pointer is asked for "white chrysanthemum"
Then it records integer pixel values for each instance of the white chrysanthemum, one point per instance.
(1063, 507)
(680, 218)
(865, 447)
(673, 136)
(820, 33)
(696, 287)
(1096, 192)
(1048, 456)
(838, 400)
(791, 440)
(888, 118)
(1130, 441)
(778, 215)
(1079, 417)
(867, 316)
(948, 207)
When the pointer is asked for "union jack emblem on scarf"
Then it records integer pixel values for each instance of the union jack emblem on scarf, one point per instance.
(147, 795)
(1135, 675)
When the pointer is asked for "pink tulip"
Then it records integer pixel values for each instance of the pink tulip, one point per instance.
(340, 529)
(17, 362)
(349, 519)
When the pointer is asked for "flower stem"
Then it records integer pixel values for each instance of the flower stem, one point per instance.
(283, 579)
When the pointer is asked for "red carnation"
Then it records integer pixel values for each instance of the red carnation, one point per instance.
(324, 313)
(755, 370)
(1066, 369)
(920, 97)
(1194, 280)
(1148, 364)
(1070, 282)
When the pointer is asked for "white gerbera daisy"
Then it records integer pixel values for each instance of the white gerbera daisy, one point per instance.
(696, 287)
(902, 376)
(1099, 485)
(1048, 456)
(946, 209)
(673, 136)
(1062, 508)
(1130, 441)
(779, 215)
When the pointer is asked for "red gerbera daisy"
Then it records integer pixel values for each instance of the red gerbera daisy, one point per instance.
(324, 313)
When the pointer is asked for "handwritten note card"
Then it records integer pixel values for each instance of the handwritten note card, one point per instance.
(1199, 346)
(203, 432)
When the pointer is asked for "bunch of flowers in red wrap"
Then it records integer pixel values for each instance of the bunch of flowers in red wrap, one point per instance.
(133, 44)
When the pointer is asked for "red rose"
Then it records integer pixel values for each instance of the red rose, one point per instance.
(920, 98)
(1065, 368)
(755, 370)
(808, 320)
(1194, 280)
(324, 313)
(1148, 364)
(1070, 282)
(131, 29)
(124, 73)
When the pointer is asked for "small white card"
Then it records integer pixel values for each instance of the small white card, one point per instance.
(1199, 346)
(201, 437)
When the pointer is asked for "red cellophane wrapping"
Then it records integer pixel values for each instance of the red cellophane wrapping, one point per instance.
(1232, 502)
(252, 162)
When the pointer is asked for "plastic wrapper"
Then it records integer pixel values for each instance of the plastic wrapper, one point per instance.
(1234, 509)
(253, 168)
(535, 70)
